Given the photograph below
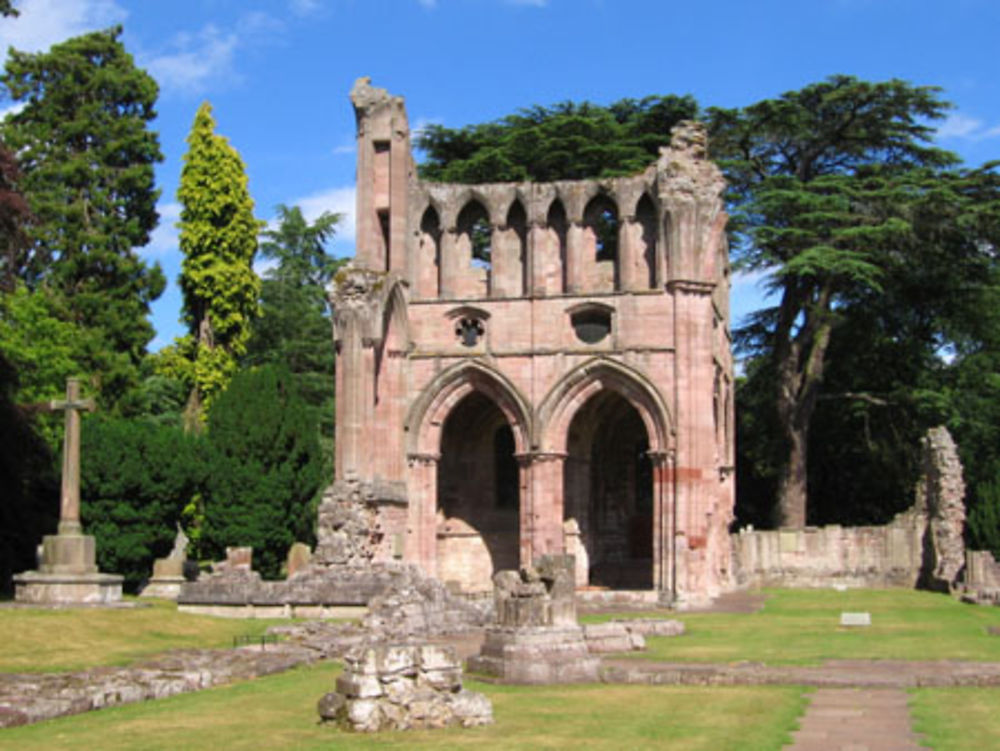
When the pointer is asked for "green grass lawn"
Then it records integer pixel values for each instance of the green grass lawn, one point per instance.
(957, 719)
(279, 712)
(73, 639)
(802, 626)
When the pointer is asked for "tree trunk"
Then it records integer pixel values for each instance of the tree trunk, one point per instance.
(800, 358)
(792, 487)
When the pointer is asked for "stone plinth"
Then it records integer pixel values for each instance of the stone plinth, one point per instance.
(403, 687)
(167, 579)
(68, 574)
(536, 655)
(536, 638)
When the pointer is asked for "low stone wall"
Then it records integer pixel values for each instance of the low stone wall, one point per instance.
(403, 687)
(875, 556)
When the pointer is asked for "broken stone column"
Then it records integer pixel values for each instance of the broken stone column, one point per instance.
(536, 638)
(403, 687)
(941, 493)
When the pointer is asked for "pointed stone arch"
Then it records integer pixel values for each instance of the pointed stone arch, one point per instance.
(426, 416)
(559, 406)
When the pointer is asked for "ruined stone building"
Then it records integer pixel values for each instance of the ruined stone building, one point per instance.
(529, 368)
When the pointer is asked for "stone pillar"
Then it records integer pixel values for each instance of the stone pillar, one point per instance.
(449, 264)
(575, 237)
(69, 501)
(542, 521)
(663, 522)
(695, 472)
(423, 511)
(627, 250)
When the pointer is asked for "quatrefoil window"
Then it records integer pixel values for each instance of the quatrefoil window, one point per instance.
(469, 331)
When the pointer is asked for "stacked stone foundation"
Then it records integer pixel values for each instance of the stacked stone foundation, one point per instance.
(403, 687)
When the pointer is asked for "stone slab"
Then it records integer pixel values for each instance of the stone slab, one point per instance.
(855, 619)
(43, 588)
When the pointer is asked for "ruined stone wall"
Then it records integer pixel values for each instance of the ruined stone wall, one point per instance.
(544, 324)
(922, 546)
(873, 556)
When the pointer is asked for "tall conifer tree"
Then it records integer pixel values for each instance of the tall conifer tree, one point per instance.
(218, 237)
(86, 155)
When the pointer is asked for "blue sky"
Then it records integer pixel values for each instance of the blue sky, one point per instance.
(278, 72)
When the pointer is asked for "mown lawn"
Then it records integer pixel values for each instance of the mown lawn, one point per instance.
(957, 719)
(279, 712)
(77, 638)
(803, 626)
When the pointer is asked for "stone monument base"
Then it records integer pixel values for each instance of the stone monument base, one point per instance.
(68, 575)
(167, 579)
(165, 588)
(72, 589)
(536, 655)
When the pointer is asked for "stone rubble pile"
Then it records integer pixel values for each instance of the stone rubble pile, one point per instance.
(403, 687)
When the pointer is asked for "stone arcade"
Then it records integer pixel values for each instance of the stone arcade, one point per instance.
(538, 369)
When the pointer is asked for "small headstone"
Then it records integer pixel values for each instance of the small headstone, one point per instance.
(840, 587)
(299, 557)
(855, 619)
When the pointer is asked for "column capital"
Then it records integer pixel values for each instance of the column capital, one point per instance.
(425, 459)
(661, 457)
(530, 457)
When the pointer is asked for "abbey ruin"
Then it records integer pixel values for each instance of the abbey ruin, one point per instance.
(527, 369)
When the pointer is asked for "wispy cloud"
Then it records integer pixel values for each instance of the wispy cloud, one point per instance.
(42, 23)
(192, 61)
(431, 4)
(964, 127)
(305, 7)
(163, 240)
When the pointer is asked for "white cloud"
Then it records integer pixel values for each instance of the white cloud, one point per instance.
(196, 59)
(339, 201)
(12, 110)
(305, 7)
(959, 126)
(193, 60)
(42, 23)
(163, 240)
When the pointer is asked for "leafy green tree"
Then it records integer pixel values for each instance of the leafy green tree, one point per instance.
(266, 468)
(294, 326)
(43, 350)
(218, 237)
(818, 177)
(87, 156)
(15, 217)
(566, 141)
(136, 477)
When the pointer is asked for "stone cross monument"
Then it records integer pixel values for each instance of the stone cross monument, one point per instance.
(67, 571)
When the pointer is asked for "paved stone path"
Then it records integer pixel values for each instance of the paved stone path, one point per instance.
(856, 720)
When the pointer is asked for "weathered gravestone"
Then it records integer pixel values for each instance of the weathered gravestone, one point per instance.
(536, 637)
(67, 569)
